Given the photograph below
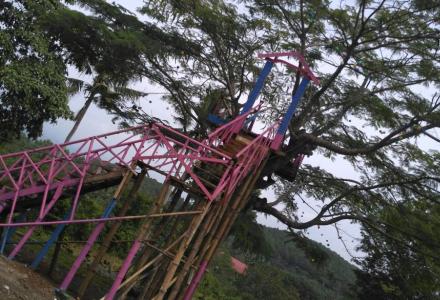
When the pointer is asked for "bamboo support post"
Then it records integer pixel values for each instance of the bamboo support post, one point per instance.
(157, 231)
(194, 226)
(149, 283)
(236, 207)
(138, 272)
(241, 199)
(193, 252)
(143, 234)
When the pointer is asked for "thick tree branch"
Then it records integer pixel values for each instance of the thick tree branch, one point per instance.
(388, 140)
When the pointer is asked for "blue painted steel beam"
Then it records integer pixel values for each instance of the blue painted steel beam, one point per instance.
(216, 120)
(257, 87)
(290, 112)
(53, 238)
(5, 238)
(8, 232)
(293, 105)
(56, 233)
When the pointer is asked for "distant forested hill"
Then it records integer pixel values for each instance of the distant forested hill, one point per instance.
(286, 274)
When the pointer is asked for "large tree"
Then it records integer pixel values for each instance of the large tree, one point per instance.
(402, 262)
(39, 40)
(378, 102)
(377, 107)
(32, 83)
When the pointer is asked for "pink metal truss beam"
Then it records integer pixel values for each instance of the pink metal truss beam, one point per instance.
(34, 174)
(304, 67)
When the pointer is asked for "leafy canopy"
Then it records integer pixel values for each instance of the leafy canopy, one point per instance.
(32, 86)
(39, 40)
(376, 110)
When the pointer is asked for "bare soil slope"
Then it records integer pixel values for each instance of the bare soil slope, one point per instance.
(17, 282)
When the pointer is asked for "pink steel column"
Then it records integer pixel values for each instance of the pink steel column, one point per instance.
(195, 281)
(137, 243)
(79, 260)
(123, 270)
(94, 235)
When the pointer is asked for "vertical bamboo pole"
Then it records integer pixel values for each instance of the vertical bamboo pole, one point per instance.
(147, 287)
(155, 235)
(132, 277)
(241, 199)
(143, 234)
(56, 253)
(194, 250)
(238, 205)
(194, 226)
(156, 280)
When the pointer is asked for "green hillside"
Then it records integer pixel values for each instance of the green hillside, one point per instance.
(286, 274)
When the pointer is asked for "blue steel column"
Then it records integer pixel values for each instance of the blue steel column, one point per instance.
(257, 87)
(53, 238)
(289, 114)
(8, 232)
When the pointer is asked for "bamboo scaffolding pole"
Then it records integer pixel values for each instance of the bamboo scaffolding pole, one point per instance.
(236, 207)
(144, 255)
(174, 222)
(229, 219)
(177, 213)
(133, 276)
(223, 208)
(155, 235)
(156, 281)
(142, 234)
(75, 242)
(147, 286)
(157, 297)
(194, 226)
(172, 231)
(97, 230)
(165, 253)
(194, 250)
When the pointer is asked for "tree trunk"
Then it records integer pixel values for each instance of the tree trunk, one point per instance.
(79, 116)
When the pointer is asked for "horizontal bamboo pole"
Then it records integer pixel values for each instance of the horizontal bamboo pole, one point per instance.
(177, 213)
(166, 253)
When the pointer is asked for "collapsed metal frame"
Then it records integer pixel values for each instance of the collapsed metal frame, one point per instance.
(174, 257)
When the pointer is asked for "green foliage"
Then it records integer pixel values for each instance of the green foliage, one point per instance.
(248, 236)
(226, 40)
(402, 263)
(93, 44)
(287, 273)
(95, 203)
(32, 84)
(38, 40)
(378, 64)
(21, 144)
(313, 251)
(329, 279)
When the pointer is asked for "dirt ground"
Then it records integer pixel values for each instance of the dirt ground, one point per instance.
(17, 282)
